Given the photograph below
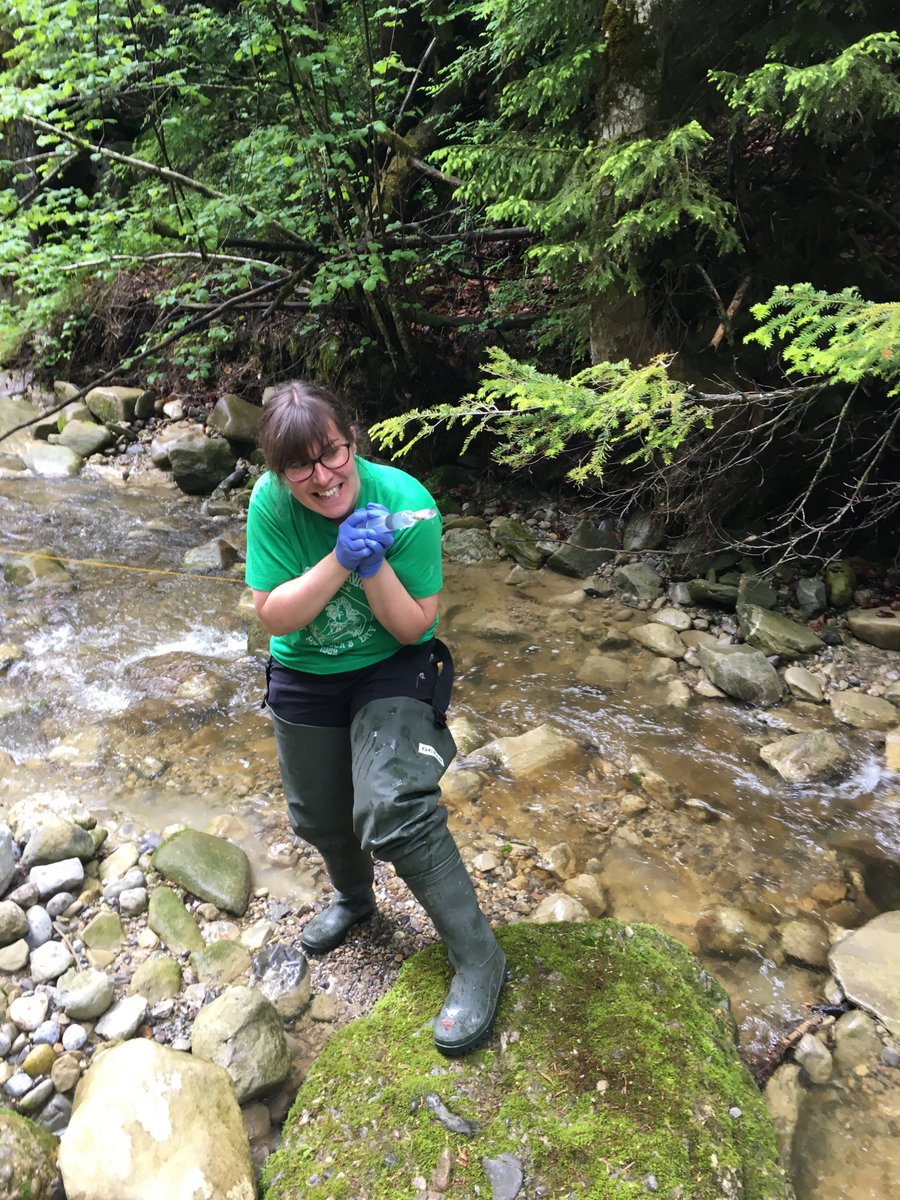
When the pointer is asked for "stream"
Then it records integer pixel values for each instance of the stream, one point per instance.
(135, 696)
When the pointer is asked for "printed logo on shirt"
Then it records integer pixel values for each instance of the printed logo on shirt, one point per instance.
(343, 623)
(424, 748)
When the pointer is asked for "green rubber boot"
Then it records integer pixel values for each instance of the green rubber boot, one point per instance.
(447, 895)
(315, 772)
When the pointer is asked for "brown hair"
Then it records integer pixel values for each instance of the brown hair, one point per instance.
(295, 424)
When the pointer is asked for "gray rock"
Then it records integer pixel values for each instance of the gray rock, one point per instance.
(14, 957)
(559, 906)
(675, 618)
(50, 961)
(731, 931)
(236, 419)
(784, 1096)
(540, 749)
(123, 1019)
(35, 570)
(58, 904)
(753, 589)
(864, 712)
(866, 963)
(51, 462)
(505, 1176)
(118, 405)
(7, 859)
(801, 757)
(56, 840)
(40, 926)
(74, 1037)
(806, 941)
(55, 1115)
(640, 581)
(85, 995)
(774, 634)
(878, 627)
(812, 596)
(815, 1059)
(518, 542)
(133, 901)
(85, 437)
(28, 1012)
(46, 1034)
(36, 1098)
(242, 1032)
(741, 673)
(469, 546)
(644, 531)
(209, 867)
(803, 685)
(64, 876)
(856, 1042)
(659, 639)
(584, 552)
(13, 923)
(199, 464)
(217, 555)
(177, 1116)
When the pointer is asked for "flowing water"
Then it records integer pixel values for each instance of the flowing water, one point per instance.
(135, 696)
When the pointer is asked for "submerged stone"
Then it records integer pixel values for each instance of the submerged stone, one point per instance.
(607, 1036)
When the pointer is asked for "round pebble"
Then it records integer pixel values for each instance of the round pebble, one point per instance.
(47, 1033)
(74, 1037)
(58, 904)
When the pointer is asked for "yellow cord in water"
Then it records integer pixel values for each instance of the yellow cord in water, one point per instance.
(96, 562)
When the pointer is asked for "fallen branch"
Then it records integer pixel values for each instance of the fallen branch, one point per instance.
(726, 327)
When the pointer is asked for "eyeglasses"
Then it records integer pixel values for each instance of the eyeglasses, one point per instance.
(332, 459)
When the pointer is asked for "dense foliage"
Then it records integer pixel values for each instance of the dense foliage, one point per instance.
(599, 202)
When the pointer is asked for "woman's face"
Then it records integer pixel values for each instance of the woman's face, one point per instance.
(331, 492)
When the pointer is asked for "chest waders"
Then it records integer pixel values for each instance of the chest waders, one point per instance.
(389, 806)
(318, 785)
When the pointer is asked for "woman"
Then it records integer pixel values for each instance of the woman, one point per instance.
(356, 690)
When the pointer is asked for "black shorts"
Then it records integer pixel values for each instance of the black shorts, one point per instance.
(423, 672)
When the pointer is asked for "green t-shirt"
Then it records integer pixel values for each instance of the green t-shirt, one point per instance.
(285, 539)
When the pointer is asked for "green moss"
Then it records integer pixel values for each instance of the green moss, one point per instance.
(613, 1059)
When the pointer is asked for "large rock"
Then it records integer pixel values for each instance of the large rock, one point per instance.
(242, 1032)
(866, 964)
(209, 867)
(740, 672)
(85, 437)
(773, 634)
(56, 839)
(840, 584)
(27, 1159)
(802, 757)
(659, 638)
(864, 712)
(236, 419)
(587, 549)
(199, 464)
(640, 581)
(644, 531)
(119, 405)
(702, 591)
(150, 1122)
(607, 1038)
(518, 542)
(469, 546)
(53, 462)
(877, 626)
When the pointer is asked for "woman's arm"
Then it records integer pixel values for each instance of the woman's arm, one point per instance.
(406, 617)
(296, 602)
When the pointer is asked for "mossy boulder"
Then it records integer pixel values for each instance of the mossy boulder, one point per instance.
(612, 1070)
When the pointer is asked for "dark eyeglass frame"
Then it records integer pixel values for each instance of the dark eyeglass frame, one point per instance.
(300, 472)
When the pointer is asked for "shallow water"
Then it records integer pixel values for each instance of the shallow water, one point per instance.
(135, 696)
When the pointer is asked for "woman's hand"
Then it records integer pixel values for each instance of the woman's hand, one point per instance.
(378, 539)
(352, 547)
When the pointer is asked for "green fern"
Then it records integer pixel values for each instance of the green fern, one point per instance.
(610, 407)
(835, 336)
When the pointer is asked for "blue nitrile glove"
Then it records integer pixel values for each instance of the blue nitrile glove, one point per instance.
(351, 548)
(378, 539)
